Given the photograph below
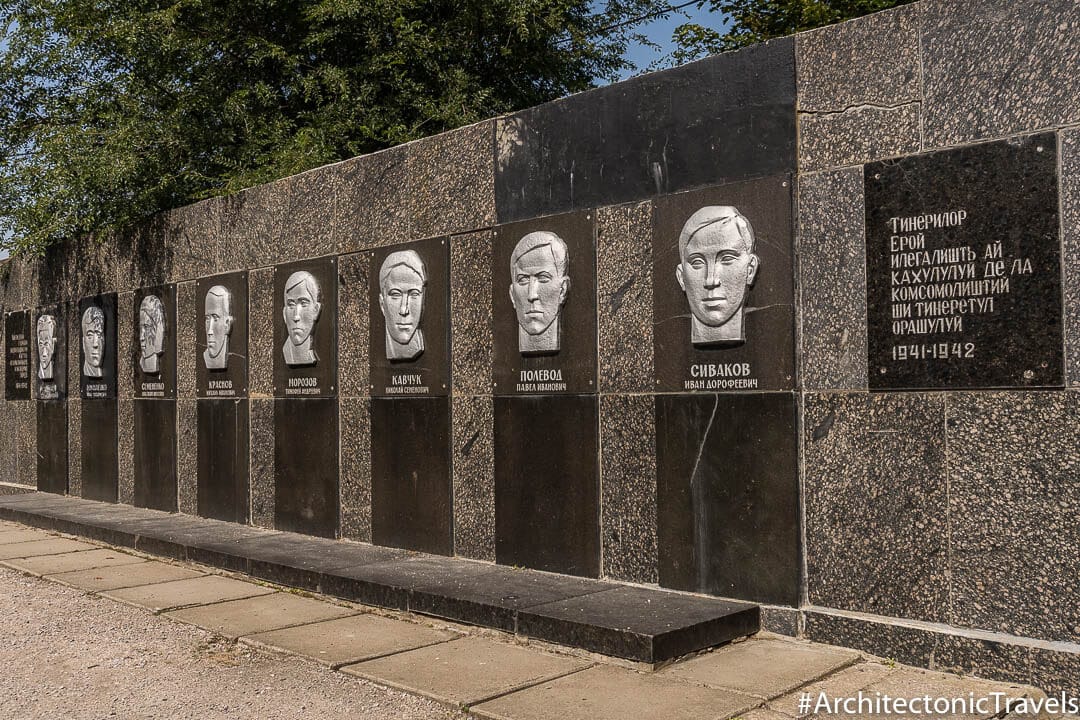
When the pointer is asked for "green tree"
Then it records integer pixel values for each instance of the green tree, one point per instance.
(754, 21)
(111, 110)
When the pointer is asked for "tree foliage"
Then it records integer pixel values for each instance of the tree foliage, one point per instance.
(754, 21)
(111, 110)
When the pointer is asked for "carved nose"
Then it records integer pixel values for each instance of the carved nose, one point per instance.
(403, 307)
(712, 277)
(534, 290)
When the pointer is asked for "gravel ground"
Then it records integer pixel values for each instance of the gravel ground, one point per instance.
(68, 655)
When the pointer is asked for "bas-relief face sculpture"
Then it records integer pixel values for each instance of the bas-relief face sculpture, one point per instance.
(46, 344)
(219, 322)
(402, 281)
(539, 285)
(301, 312)
(717, 266)
(151, 334)
(93, 342)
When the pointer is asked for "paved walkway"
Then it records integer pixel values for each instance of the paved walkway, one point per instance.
(483, 672)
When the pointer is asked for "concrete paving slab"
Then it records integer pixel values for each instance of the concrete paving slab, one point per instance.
(763, 714)
(182, 593)
(911, 683)
(466, 671)
(845, 683)
(20, 535)
(764, 667)
(260, 614)
(352, 639)
(125, 576)
(52, 564)
(52, 546)
(605, 692)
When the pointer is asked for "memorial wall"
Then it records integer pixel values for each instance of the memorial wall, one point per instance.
(796, 325)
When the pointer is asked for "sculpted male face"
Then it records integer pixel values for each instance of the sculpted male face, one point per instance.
(539, 285)
(93, 341)
(151, 333)
(402, 281)
(219, 321)
(301, 312)
(46, 343)
(717, 267)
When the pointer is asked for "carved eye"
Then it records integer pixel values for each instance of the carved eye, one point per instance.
(522, 279)
(395, 293)
(697, 262)
(544, 277)
(414, 294)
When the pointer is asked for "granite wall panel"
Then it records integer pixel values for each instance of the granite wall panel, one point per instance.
(99, 472)
(189, 311)
(473, 465)
(355, 424)
(451, 181)
(628, 487)
(858, 136)
(74, 436)
(306, 489)
(217, 482)
(1013, 503)
(155, 455)
(261, 333)
(187, 457)
(309, 202)
(52, 446)
(470, 307)
(993, 68)
(875, 494)
(624, 268)
(192, 236)
(371, 207)
(125, 453)
(25, 442)
(832, 280)
(262, 462)
(353, 325)
(125, 345)
(255, 218)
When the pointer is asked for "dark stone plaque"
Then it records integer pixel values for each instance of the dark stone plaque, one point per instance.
(305, 329)
(97, 341)
(723, 288)
(17, 359)
(409, 306)
(728, 495)
(963, 280)
(223, 460)
(153, 344)
(306, 466)
(547, 483)
(728, 117)
(155, 454)
(411, 487)
(52, 447)
(544, 306)
(221, 336)
(100, 469)
(50, 352)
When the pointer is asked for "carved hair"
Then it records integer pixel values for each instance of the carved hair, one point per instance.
(309, 281)
(542, 239)
(222, 292)
(409, 258)
(721, 215)
(93, 319)
(153, 307)
(46, 321)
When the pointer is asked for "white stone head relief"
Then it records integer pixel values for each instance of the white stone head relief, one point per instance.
(219, 322)
(539, 284)
(301, 312)
(402, 287)
(46, 345)
(151, 334)
(93, 342)
(717, 266)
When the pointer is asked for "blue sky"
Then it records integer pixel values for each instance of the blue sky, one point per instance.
(659, 31)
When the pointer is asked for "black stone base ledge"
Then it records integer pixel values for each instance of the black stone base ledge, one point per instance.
(634, 623)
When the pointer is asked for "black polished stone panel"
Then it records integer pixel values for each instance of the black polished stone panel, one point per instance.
(223, 460)
(100, 469)
(963, 277)
(547, 508)
(725, 118)
(411, 495)
(307, 369)
(221, 319)
(571, 368)
(50, 341)
(419, 367)
(52, 446)
(17, 355)
(97, 353)
(306, 466)
(725, 282)
(153, 360)
(155, 454)
(728, 495)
